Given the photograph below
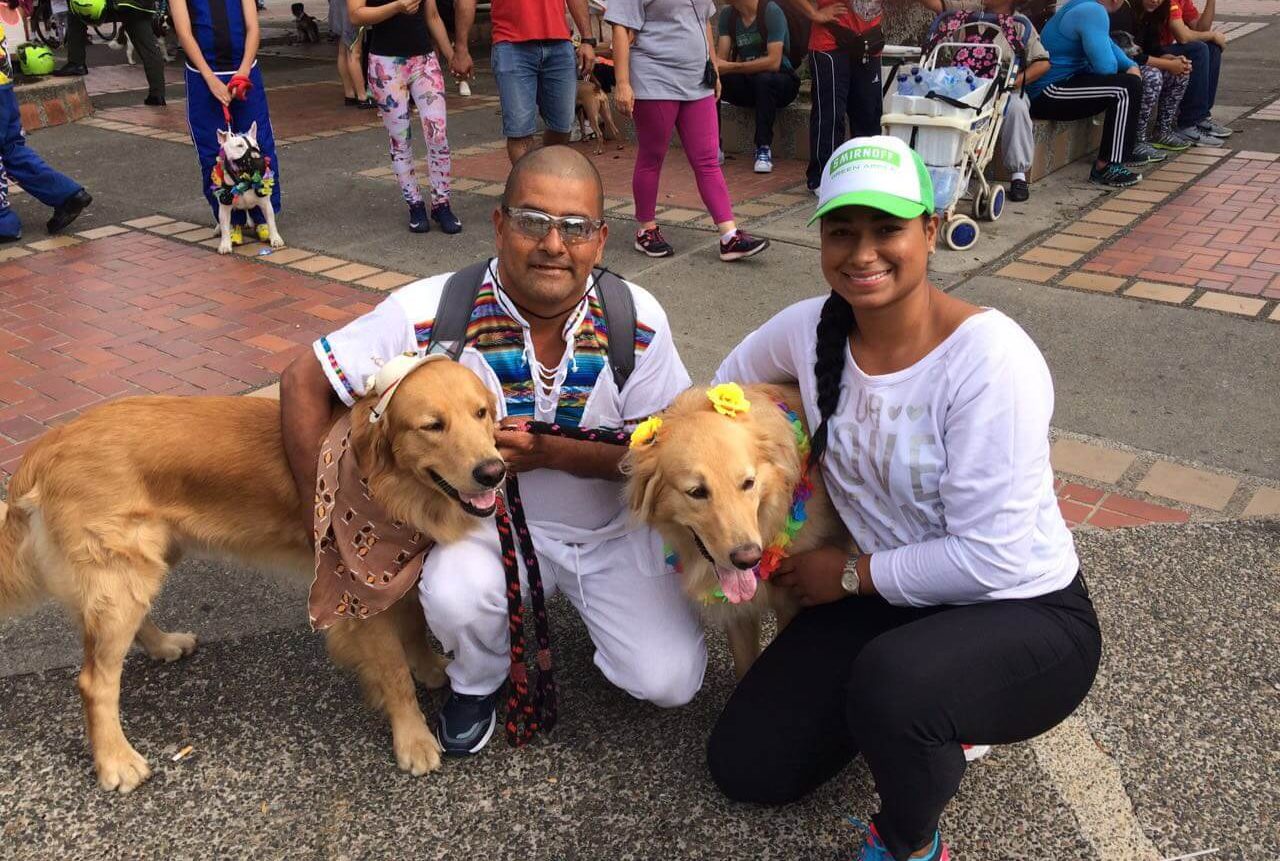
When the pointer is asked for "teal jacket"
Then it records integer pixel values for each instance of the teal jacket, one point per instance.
(1078, 39)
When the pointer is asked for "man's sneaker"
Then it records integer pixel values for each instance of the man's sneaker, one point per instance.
(466, 722)
(443, 215)
(1019, 190)
(464, 89)
(1209, 127)
(70, 70)
(1173, 142)
(418, 220)
(873, 848)
(975, 752)
(1145, 153)
(651, 243)
(1198, 137)
(741, 246)
(154, 101)
(1114, 175)
(764, 160)
(68, 211)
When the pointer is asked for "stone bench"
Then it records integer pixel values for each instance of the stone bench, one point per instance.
(45, 102)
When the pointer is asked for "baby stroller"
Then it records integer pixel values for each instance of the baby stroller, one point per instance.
(952, 117)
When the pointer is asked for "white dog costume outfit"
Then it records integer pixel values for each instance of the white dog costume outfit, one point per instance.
(648, 638)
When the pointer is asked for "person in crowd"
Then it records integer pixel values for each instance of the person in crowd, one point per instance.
(1017, 134)
(403, 68)
(24, 166)
(1185, 31)
(535, 63)
(137, 18)
(220, 41)
(350, 63)
(752, 50)
(963, 617)
(666, 79)
(1089, 74)
(845, 43)
(1164, 83)
(539, 345)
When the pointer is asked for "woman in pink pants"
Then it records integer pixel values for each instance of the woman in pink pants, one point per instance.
(661, 53)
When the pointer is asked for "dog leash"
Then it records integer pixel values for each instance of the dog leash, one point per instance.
(239, 87)
(530, 713)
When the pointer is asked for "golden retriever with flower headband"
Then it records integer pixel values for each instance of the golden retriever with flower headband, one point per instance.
(721, 474)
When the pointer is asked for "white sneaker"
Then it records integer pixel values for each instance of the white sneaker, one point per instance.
(464, 89)
(764, 160)
(974, 752)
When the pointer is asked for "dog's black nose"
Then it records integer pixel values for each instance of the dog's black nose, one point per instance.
(745, 556)
(490, 473)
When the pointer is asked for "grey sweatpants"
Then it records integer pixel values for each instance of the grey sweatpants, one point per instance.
(1017, 139)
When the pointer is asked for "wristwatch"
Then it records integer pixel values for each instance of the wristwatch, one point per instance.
(849, 579)
(590, 40)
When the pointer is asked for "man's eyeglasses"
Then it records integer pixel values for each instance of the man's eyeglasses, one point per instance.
(536, 224)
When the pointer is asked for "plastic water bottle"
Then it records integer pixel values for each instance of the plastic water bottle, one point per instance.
(944, 180)
(905, 87)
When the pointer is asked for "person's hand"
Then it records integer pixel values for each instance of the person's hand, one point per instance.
(409, 7)
(586, 59)
(461, 65)
(521, 450)
(719, 87)
(219, 90)
(624, 98)
(1218, 38)
(813, 577)
(1176, 65)
(1133, 70)
(826, 14)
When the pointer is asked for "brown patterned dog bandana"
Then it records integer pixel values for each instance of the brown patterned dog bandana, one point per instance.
(364, 561)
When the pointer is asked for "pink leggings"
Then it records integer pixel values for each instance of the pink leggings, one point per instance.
(699, 134)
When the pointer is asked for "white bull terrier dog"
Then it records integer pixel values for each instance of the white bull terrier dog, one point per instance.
(242, 179)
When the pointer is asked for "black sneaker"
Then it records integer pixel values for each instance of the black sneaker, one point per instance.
(1114, 175)
(443, 215)
(466, 722)
(68, 211)
(71, 70)
(154, 101)
(1019, 190)
(418, 220)
(650, 242)
(741, 246)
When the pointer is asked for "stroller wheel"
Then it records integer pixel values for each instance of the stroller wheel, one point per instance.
(961, 232)
(980, 204)
(994, 207)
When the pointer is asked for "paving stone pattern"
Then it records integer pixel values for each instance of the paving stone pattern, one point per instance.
(142, 314)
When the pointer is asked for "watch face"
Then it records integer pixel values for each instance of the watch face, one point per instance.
(849, 580)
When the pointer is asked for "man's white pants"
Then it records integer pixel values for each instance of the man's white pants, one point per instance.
(648, 638)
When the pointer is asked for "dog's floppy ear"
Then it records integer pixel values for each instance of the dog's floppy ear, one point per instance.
(371, 441)
(644, 481)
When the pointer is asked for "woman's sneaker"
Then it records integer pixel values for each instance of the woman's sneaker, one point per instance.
(651, 243)
(443, 215)
(466, 722)
(873, 848)
(418, 220)
(1209, 127)
(1145, 153)
(1173, 142)
(1199, 138)
(740, 246)
(1114, 175)
(764, 160)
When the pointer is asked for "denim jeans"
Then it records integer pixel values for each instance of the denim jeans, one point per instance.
(1206, 61)
(536, 78)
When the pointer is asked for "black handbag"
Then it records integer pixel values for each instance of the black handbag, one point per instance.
(709, 74)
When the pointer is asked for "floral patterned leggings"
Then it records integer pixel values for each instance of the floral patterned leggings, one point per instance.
(393, 81)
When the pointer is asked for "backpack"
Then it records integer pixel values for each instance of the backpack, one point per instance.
(982, 63)
(762, 24)
(449, 331)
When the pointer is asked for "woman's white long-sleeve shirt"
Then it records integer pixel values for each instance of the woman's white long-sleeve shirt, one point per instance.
(940, 470)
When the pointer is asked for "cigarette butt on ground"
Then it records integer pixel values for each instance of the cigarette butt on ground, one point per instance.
(183, 754)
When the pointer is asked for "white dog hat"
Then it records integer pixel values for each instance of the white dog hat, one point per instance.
(391, 375)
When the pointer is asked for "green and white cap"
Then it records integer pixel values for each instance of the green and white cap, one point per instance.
(881, 172)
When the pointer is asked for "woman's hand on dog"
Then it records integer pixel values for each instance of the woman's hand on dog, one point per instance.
(813, 577)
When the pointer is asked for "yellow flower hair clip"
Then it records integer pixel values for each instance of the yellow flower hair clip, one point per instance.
(728, 399)
(646, 433)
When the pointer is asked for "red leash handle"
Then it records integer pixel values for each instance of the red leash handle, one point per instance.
(239, 87)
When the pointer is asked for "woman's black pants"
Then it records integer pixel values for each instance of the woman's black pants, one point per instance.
(904, 687)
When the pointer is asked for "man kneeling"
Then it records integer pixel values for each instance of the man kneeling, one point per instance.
(538, 337)
(752, 45)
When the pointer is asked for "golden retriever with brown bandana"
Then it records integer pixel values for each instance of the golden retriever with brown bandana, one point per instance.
(719, 488)
(103, 507)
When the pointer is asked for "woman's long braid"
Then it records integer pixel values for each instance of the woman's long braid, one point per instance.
(834, 326)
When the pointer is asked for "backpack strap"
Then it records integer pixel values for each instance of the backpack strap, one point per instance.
(735, 22)
(619, 308)
(762, 24)
(449, 330)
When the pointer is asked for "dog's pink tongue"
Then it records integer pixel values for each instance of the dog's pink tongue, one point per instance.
(482, 501)
(737, 585)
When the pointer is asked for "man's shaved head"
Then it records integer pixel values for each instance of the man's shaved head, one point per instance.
(555, 162)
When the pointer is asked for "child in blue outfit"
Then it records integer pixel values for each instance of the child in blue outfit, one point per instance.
(220, 40)
(1089, 73)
